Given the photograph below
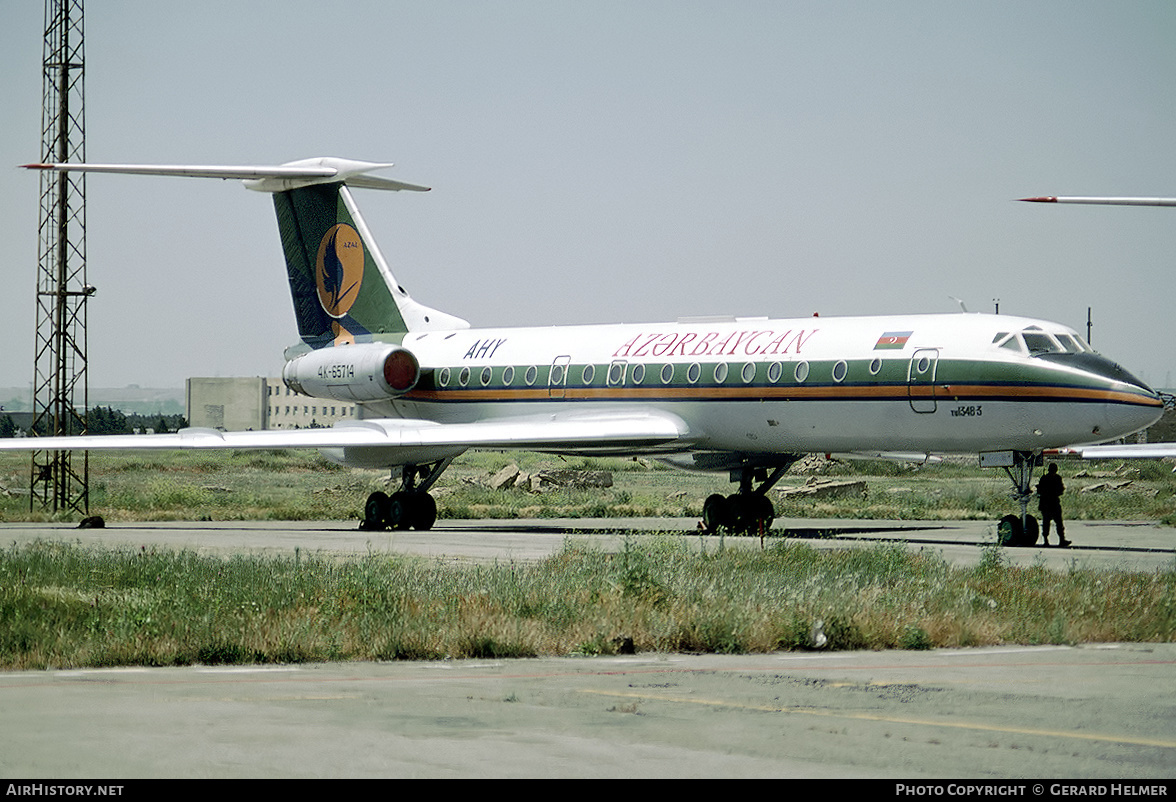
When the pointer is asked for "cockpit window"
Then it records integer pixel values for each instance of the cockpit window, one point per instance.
(1034, 340)
(1041, 343)
(1011, 341)
(1072, 344)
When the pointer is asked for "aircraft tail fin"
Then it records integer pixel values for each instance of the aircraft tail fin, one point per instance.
(342, 288)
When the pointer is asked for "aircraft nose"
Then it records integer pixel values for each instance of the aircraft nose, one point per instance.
(1138, 407)
(1126, 420)
(1129, 404)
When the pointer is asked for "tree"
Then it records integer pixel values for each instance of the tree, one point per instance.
(104, 420)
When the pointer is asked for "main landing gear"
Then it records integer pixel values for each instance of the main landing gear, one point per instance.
(410, 507)
(1016, 530)
(747, 512)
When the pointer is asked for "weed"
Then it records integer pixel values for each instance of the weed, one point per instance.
(481, 646)
(914, 637)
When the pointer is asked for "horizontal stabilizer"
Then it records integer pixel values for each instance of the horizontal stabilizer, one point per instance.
(192, 171)
(263, 178)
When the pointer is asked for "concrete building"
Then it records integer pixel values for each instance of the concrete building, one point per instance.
(243, 404)
(236, 404)
(290, 410)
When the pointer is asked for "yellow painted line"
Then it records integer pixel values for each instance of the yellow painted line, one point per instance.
(959, 725)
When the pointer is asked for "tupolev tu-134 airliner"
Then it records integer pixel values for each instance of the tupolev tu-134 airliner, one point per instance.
(742, 395)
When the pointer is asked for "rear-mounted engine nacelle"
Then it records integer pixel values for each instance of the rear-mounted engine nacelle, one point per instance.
(360, 372)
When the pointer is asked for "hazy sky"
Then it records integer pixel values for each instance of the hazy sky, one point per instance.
(613, 162)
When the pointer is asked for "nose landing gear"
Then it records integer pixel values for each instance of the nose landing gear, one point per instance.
(1011, 530)
(1016, 530)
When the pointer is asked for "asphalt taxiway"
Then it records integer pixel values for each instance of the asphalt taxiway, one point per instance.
(1026, 712)
(1132, 545)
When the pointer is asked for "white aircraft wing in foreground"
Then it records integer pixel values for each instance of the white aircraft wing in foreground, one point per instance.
(601, 431)
(1123, 451)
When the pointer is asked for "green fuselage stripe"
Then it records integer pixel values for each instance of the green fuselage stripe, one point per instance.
(997, 381)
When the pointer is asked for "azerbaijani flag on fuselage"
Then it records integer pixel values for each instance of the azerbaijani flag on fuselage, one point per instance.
(892, 339)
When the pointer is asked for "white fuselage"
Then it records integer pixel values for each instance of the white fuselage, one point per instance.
(926, 383)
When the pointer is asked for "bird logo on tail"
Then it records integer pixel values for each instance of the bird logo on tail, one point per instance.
(338, 275)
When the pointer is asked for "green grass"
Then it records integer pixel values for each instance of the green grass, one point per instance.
(225, 485)
(301, 485)
(63, 605)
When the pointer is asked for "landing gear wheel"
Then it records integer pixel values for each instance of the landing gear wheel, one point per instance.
(1019, 530)
(424, 511)
(375, 511)
(400, 510)
(1008, 531)
(740, 508)
(739, 513)
(764, 514)
(1029, 536)
(714, 513)
(751, 513)
(410, 507)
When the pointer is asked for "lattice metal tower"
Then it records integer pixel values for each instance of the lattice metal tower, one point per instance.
(60, 386)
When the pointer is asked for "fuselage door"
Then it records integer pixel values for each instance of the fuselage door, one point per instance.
(558, 378)
(921, 380)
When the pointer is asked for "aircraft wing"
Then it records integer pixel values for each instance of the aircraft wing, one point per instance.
(1121, 451)
(1104, 201)
(632, 430)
